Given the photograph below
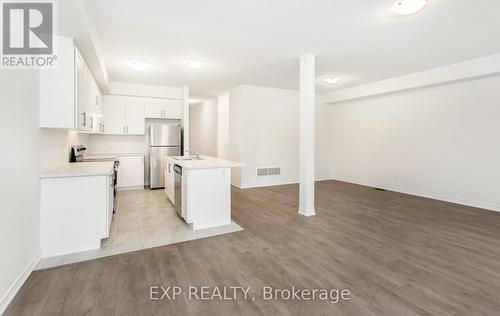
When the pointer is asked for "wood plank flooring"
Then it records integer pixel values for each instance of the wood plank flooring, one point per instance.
(397, 254)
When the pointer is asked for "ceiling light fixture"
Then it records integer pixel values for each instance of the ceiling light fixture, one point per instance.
(194, 101)
(409, 7)
(138, 65)
(195, 64)
(332, 80)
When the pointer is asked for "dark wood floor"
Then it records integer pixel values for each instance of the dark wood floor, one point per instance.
(397, 254)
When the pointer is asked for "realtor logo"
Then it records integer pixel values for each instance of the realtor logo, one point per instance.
(27, 28)
(27, 34)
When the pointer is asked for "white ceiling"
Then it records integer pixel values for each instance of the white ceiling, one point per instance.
(259, 42)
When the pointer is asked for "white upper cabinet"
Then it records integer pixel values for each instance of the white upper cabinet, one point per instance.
(136, 123)
(57, 92)
(153, 109)
(114, 114)
(70, 98)
(163, 108)
(67, 92)
(124, 116)
(83, 100)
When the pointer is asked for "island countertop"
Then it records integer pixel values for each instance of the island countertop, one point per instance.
(206, 162)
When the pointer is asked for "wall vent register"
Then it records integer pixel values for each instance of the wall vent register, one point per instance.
(268, 171)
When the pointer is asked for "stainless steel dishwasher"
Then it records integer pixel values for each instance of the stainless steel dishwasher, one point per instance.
(178, 190)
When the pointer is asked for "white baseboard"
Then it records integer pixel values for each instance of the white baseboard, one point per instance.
(486, 206)
(307, 213)
(262, 185)
(18, 283)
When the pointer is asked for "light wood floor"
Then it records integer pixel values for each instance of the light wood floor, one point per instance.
(397, 254)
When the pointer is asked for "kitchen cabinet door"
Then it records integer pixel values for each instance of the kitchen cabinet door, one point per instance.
(131, 172)
(83, 87)
(171, 185)
(95, 98)
(135, 122)
(172, 109)
(114, 114)
(109, 206)
(169, 180)
(153, 109)
(56, 88)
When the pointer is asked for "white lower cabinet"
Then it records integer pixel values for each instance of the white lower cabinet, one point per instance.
(111, 204)
(169, 180)
(131, 173)
(75, 213)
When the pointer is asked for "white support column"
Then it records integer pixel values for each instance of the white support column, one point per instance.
(306, 112)
(185, 119)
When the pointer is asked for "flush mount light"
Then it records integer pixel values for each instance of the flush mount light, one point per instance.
(195, 64)
(332, 80)
(194, 101)
(138, 65)
(408, 7)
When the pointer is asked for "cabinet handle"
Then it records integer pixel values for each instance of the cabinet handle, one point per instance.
(84, 114)
(96, 100)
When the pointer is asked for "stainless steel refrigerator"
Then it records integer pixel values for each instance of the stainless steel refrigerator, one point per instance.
(164, 140)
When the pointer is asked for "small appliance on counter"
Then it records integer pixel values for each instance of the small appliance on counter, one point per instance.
(77, 154)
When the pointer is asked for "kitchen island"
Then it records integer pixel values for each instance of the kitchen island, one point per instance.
(202, 189)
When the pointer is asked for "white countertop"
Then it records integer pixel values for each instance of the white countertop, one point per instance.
(206, 163)
(80, 169)
(113, 155)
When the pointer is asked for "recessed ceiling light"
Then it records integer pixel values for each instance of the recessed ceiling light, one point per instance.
(332, 80)
(138, 65)
(408, 7)
(195, 64)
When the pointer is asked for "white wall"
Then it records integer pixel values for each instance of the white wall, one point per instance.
(143, 90)
(22, 159)
(203, 128)
(27, 151)
(19, 217)
(55, 146)
(441, 142)
(269, 134)
(117, 144)
(323, 148)
(264, 132)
